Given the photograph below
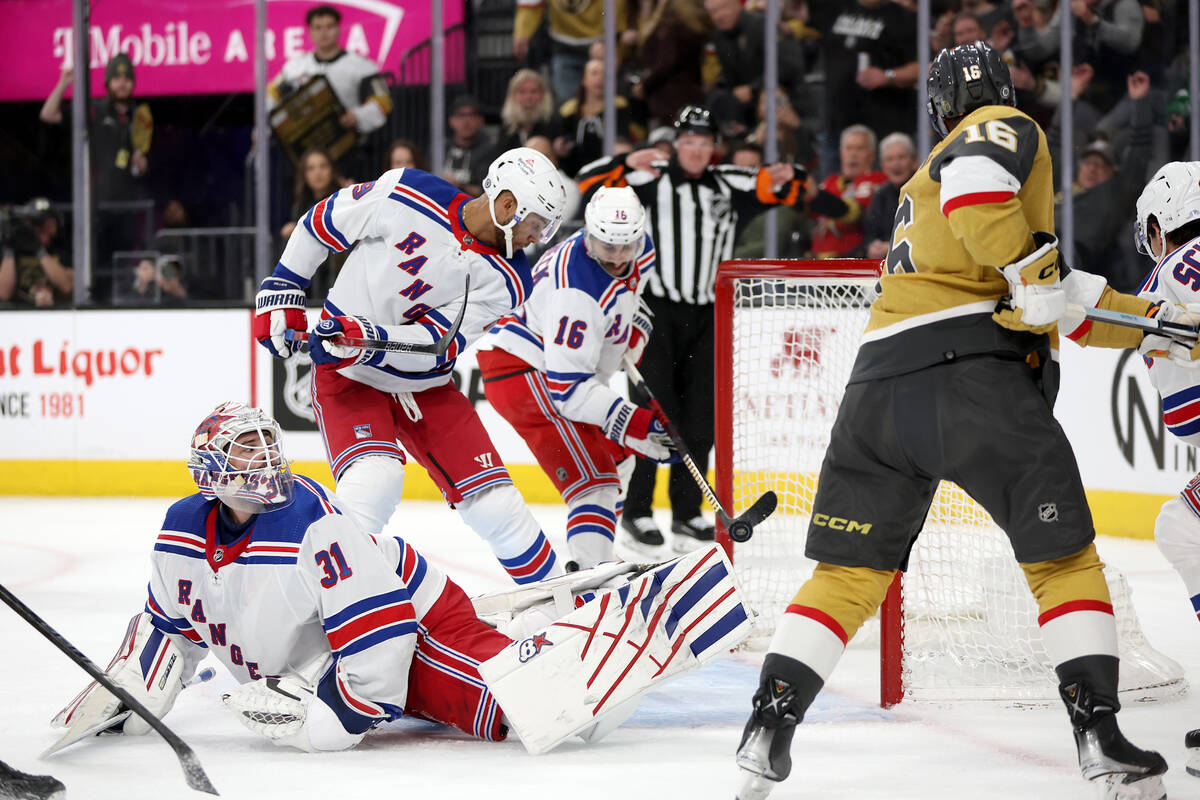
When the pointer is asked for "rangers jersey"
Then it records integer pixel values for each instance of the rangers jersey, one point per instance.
(575, 327)
(301, 591)
(1176, 279)
(355, 80)
(405, 278)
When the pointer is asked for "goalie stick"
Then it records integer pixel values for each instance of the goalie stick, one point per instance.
(437, 348)
(740, 528)
(193, 773)
(1183, 333)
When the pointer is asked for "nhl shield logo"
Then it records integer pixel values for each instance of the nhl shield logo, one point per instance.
(1048, 512)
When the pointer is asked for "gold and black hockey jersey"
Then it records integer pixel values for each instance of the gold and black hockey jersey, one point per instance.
(970, 209)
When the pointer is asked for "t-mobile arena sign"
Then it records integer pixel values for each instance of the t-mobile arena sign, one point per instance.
(196, 46)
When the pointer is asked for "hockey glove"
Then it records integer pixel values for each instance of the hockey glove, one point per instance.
(278, 308)
(1158, 346)
(288, 712)
(638, 429)
(323, 350)
(156, 689)
(1036, 299)
(639, 331)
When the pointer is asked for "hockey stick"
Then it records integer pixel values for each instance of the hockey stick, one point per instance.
(193, 773)
(741, 528)
(437, 348)
(1183, 333)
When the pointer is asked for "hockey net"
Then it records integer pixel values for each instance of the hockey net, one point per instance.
(961, 623)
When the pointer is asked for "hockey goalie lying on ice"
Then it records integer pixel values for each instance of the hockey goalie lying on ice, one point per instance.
(330, 632)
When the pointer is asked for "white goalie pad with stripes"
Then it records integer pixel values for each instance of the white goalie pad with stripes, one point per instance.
(566, 678)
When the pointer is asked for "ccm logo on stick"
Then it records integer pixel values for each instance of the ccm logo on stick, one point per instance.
(841, 524)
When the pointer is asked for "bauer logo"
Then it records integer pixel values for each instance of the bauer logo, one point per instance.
(528, 648)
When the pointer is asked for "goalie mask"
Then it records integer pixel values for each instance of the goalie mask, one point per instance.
(616, 229)
(538, 188)
(236, 458)
(1172, 197)
(965, 78)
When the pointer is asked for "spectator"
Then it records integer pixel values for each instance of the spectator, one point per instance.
(32, 271)
(470, 149)
(790, 226)
(174, 217)
(572, 209)
(157, 281)
(967, 29)
(737, 39)
(842, 236)
(574, 27)
(404, 153)
(898, 159)
(1105, 193)
(796, 143)
(670, 40)
(528, 110)
(355, 80)
(870, 49)
(316, 179)
(582, 133)
(120, 134)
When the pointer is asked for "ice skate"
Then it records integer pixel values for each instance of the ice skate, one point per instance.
(689, 534)
(16, 785)
(1120, 770)
(640, 539)
(763, 758)
(1192, 743)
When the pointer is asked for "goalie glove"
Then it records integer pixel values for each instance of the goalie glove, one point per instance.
(156, 688)
(288, 712)
(278, 308)
(640, 329)
(323, 350)
(1036, 299)
(639, 430)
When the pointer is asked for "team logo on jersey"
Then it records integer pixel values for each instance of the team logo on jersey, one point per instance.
(359, 189)
(1048, 512)
(362, 431)
(561, 472)
(719, 206)
(528, 648)
(485, 460)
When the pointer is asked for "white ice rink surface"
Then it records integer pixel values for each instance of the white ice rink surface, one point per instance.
(81, 564)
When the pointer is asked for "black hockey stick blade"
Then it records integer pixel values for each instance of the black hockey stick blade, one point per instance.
(437, 348)
(193, 773)
(742, 528)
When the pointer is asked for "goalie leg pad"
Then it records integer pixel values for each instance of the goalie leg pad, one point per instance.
(662, 624)
(148, 665)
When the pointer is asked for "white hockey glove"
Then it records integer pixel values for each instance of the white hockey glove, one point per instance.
(1036, 299)
(278, 308)
(639, 430)
(288, 712)
(1157, 346)
(157, 690)
(640, 329)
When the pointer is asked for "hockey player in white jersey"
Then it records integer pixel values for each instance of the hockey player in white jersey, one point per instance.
(330, 631)
(416, 239)
(1167, 229)
(546, 368)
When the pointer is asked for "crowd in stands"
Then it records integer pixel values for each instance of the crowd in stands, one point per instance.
(846, 111)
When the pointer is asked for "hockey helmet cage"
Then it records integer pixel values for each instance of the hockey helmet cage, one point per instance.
(695, 119)
(964, 78)
(236, 457)
(1172, 197)
(615, 221)
(538, 188)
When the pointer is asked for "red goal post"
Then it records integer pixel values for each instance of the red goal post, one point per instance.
(961, 622)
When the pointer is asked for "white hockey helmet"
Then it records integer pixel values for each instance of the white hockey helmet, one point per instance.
(616, 228)
(539, 191)
(236, 457)
(1172, 197)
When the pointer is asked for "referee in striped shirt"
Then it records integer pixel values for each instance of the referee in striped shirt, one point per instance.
(696, 211)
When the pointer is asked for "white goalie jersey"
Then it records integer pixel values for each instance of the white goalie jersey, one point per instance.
(354, 79)
(1176, 279)
(575, 327)
(405, 277)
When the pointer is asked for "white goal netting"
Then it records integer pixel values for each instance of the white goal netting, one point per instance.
(969, 621)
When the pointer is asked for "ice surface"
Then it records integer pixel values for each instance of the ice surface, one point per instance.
(82, 565)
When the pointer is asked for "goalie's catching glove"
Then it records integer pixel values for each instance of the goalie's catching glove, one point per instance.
(278, 308)
(1036, 299)
(639, 430)
(288, 712)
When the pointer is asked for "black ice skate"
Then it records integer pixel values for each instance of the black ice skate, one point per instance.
(641, 537)
(692, 533)
(1106, 757)
(764, 756)
(16, 785)
(1192, 743)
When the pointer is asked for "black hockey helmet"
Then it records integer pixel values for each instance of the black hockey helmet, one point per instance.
(695, 119)
(964, 78)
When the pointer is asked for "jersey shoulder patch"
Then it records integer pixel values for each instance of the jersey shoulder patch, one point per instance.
(1000, 134)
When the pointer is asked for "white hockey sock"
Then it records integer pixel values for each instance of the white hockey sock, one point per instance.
(501, 519)
(370, 490)
(591, 526)
(1177, 532)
